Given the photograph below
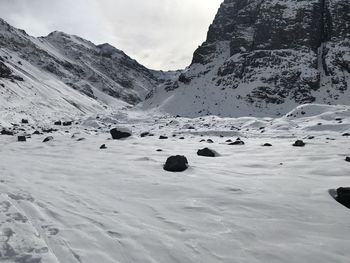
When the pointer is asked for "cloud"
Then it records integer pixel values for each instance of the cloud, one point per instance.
(161, 34)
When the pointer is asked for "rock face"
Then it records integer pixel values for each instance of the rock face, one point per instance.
(264, 57)
(176, 163)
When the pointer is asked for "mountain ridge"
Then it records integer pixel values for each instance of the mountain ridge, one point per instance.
(265, 57)
(66, 73)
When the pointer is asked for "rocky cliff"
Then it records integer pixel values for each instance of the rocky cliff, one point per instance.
(264, 57)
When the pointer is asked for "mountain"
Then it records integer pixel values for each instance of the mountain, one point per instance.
(66, 74)
(264, 58)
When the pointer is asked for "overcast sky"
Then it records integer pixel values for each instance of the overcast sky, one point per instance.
(161, 34)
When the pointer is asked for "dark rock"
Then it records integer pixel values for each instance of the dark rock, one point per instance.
(299, 143)
(182, 138)
(21, 138)
(237, 142)
(120, 133)
(311, 137)
(81, 139)
(24, 121)
(67, 123)
(184, 79)
(144, 134)
(267, 145)
(159, 150)
(210, 141)
(229, 140)
(50, 130)
(202, 140)
(36, 133)
(7, 132)
(5, 72)
(347, 159)
(57, 123)
(103, 146)
(206, 152)
(176, 163)
(343, 196)
(163, 137)
(47, 139)
(346, 134)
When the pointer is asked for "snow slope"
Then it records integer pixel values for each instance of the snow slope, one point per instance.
(67, 201)
(62, 74)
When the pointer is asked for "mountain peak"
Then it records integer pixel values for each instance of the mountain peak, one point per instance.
(264, 57)
(108, 49)
(57, 33)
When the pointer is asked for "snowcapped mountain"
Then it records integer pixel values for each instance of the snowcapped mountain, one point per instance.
(66, 74)
(264, 58)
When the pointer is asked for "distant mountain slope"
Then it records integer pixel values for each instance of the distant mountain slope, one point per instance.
(265, 57)
(65, 73)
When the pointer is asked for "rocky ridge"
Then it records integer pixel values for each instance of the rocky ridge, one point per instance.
(265, 57)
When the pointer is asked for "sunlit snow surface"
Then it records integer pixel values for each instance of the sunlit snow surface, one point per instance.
(68, 201)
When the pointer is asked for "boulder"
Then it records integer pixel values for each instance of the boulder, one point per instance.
(49, 130)
(7, 132)
(144, 134)
(24, 121)
(299, 143)
(237, 142)
(206, 152)
(210, 141)
(120, 133)
(21, 138)
(343, 196)
(267, 144)
(163, 137)
(47, 139)
(176, 163)
(347, 159)
(67, 123)
(103, 146)
(58, 123)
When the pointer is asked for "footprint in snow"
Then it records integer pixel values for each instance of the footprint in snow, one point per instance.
(21, 197)
(16, 217)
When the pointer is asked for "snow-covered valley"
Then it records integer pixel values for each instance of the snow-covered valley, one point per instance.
(66, 200)
(240, 157)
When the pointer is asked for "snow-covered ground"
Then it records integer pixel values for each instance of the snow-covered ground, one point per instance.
(68, 201)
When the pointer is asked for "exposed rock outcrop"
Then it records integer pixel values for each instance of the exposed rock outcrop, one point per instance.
(264, 57)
